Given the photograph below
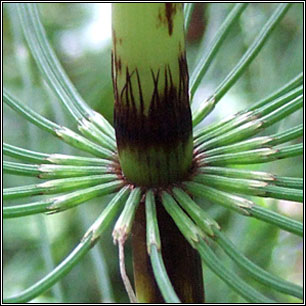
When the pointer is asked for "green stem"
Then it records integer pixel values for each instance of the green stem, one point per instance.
(153, 124)
(150, 78)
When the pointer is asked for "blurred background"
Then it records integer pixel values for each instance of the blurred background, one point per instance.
(81, 37)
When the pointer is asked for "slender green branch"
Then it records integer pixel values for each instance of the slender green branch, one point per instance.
(42, 57)
(255, 271)
(230, 278)
(250, 187)
(56, 186)
(261, 108)
(59, 171)
(65, 134)
(239, 173)
(52, 171)
(223, 31)
(193, 234)
(152, 229)
(53, 72)
(289, 182)
(108, 214)
(63, 159)
(270, 116)
(239, 158)
(289, 151)
(283, 111)
(274, 218)
(287, 135)
(75, 198)
(90, 131)
(98, 262)
(46, 249)
(154, 250)
(89, 239)
(199, 216)
(83, 143)
(25, 155)
(240, 133)
(237, 71)
(59, 159)
(283, 193)
(29, 114)
(225, 125)
(121, 231)
(63, 202)
(252, 156)
(246, 145)
(245, 207)
(124, 223)
(278, 102)
(236, 185)
(295, 82)
(54, 276)
(225, 199)
(21, 169)
(188, 9)
(161, 276)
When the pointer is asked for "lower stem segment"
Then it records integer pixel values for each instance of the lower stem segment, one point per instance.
(182, 262)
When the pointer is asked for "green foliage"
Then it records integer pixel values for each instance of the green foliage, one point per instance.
(227, 153)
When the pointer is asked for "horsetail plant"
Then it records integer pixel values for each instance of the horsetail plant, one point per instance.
(158, 162)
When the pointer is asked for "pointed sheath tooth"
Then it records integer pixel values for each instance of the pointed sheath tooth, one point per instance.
(258, 184)
(57, 158)
(227, 124)
(66, 171)
(45, 168)
(243, 186)
(226, 199)
(48, 184)
(204, 221)
(83, 126)
(270, 151)
(75, 198)
(82, 143)
(243, 203)
(124, 223)
(91, 131)
(84, 123)
(199, 114)
(102, 123)
(152, 228)
(182, 220)
(63, 159)
(120, 234)
(199, 132)
(266, 139)
(243, 118)
(108, 214)
(240, 133)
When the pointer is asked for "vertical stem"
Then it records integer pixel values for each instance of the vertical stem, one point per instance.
(145, 284)
(153, 124)
(152, 114)
(182, 262)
